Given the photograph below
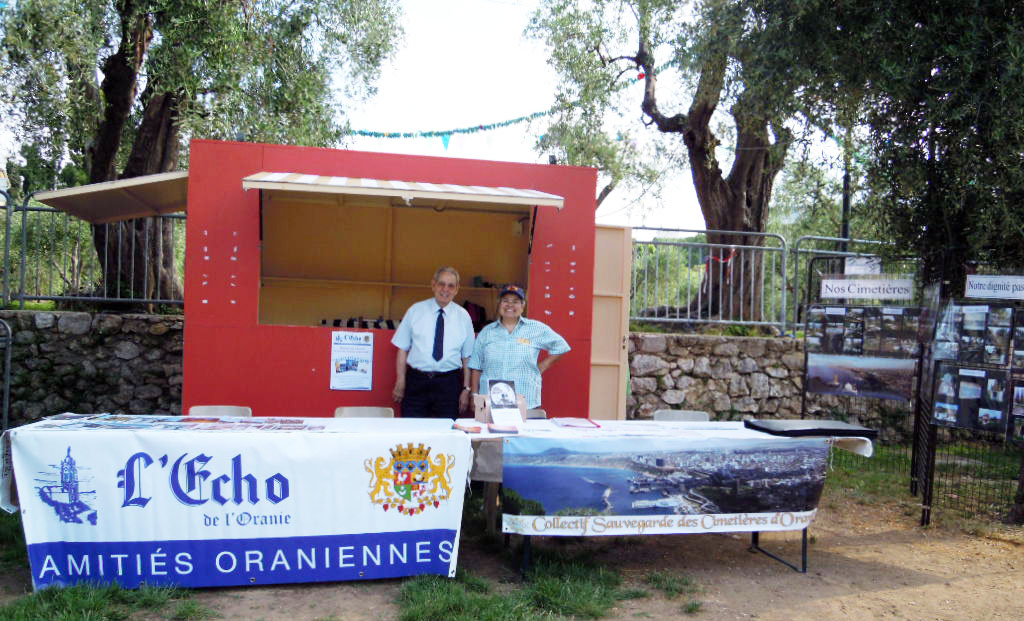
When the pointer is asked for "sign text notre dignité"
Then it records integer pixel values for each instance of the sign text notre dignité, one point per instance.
(868, 289)
(1004, 287)
(225, 494)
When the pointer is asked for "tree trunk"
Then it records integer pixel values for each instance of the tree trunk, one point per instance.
(138, 254)
(119, 87)
(733, 285)
(733, 281)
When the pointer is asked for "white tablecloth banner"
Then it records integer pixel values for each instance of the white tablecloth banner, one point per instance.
(132, 500)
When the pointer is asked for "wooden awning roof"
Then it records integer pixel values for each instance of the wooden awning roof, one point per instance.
(111, 201)
(407, 191)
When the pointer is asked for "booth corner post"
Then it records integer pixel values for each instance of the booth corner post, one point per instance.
(8, 207)
(6, 341)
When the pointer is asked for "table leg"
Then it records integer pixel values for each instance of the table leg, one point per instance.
(524, 569)
(491, 507)
(755, 546)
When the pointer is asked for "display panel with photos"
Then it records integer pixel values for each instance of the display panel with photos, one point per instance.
(1016, 427)
(1018, 339)
(971, 397)
(976, 334)
(1016, 430)
(863, 330)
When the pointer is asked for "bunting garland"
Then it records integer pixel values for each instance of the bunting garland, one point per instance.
(446, 134)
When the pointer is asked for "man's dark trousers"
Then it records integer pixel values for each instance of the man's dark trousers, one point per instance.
(431, 395)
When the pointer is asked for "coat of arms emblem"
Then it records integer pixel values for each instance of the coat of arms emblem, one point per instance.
(410, 482)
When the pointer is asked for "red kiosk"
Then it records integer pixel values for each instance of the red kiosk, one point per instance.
(283, 242)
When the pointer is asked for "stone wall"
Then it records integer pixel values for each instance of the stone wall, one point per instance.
(741, 377)
(84, 362)
(132, 364)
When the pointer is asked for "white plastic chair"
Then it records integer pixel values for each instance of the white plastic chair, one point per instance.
(363, 411)
(682, 415)
(220, 410)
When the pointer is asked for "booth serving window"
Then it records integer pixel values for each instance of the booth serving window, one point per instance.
(337, 249)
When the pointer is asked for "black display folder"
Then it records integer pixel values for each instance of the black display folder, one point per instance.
(809, 427)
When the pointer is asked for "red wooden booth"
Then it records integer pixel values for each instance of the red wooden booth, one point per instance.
(282, 240)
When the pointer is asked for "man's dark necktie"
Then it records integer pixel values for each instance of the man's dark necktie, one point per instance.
(439, 335)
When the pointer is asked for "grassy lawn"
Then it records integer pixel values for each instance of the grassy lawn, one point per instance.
(85, 603)
(33, 305)
(556, 587)
(101, 603)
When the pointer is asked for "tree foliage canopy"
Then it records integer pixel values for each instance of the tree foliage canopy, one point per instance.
(714, 72)
(82, 79)
(936, 86)
(947, 134)
(107, 89)
(763, 63)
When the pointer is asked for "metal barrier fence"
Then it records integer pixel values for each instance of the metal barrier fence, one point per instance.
(837, 247)
(975, 474)
(50, 255)
(680, 281)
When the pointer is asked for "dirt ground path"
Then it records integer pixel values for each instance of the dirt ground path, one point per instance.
(866, 562)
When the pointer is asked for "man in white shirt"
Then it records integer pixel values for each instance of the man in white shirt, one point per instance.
(434, 341)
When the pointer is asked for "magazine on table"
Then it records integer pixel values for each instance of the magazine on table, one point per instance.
(505, 414)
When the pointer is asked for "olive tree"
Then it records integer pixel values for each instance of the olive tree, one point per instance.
(741, 73)
(115, 88)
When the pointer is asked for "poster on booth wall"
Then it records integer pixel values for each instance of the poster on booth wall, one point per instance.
(212, 508)
(351, 361)
(699, 483)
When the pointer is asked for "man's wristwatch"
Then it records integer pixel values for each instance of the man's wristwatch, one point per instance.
(467, 388)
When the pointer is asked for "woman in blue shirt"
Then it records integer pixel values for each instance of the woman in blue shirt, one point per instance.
(508, 348)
